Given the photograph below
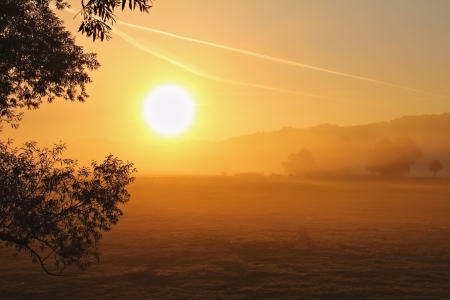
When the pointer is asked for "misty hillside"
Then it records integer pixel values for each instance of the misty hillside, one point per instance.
(333, 148)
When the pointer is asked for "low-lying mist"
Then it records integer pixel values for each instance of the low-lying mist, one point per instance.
(346, 150)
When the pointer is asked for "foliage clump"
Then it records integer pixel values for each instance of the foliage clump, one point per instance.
(39, 59)
(53, 211)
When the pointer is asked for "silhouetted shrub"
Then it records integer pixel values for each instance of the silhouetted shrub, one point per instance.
(249, 175)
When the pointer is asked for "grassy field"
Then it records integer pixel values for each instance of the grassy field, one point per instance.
(228, 238)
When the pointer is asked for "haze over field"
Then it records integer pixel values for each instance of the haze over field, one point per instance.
(334, 149)
(289, 149)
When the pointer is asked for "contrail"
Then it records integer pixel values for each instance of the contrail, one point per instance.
(199, 72)
(276, 59)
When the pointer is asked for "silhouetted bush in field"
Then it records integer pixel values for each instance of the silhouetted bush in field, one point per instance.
(249, 175)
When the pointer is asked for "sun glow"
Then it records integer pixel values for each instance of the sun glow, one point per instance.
(169, 110)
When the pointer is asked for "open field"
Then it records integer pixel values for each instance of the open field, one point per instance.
(213, 238)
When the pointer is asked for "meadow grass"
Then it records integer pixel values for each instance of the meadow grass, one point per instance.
(229, 238)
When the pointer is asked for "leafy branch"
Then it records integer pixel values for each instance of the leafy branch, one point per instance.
(97, 14)
(49, 208)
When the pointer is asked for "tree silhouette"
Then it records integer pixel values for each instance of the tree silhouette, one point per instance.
(435, 166)
(49, 208)
(301, 161)
(389, 158)
(39, 59)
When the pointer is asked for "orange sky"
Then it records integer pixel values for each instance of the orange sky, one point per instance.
(404, 43)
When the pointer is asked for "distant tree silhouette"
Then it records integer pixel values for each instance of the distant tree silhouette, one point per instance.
(435, 166)
(299, 162)
(390, 158)
(51, 211)
(249, 175)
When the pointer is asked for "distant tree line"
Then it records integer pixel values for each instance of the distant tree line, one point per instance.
(388, 158)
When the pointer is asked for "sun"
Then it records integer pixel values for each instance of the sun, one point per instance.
(169, 110)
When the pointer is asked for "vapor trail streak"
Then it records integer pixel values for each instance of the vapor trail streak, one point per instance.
(199, 72)
(276, 59)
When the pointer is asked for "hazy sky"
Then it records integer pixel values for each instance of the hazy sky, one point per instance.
(403, 43)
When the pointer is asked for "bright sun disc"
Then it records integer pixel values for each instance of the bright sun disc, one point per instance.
(169, 110)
